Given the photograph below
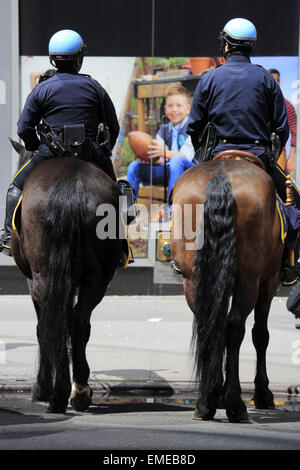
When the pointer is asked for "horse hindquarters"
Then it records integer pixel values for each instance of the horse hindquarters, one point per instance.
(214, 277)
(65, 212)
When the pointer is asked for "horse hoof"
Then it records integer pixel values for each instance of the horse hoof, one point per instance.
(264, 405)
(235, 417)
(264, 402)
(202, 413)
(40, 395)
(81, 397)
(57, 405)
(57, 410)
(81, 402)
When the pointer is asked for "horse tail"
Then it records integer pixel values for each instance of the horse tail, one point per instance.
(63, 262)
(214, 274)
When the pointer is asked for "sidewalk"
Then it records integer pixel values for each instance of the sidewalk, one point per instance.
(143, 338)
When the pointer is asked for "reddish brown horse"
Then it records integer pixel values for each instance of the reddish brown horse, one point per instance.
(68, 267)
(235, 271)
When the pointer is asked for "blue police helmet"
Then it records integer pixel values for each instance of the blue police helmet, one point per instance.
(239, 33)
(66, 45)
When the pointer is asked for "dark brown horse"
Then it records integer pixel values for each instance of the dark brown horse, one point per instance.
(68, 267)
(234, 271)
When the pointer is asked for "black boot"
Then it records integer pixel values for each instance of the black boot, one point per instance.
(128, 191)
(12, 198)
(290, 275)
(128, 211)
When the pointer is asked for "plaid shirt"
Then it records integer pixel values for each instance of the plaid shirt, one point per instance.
(292, 121)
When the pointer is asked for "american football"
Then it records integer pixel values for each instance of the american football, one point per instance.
(139, 143)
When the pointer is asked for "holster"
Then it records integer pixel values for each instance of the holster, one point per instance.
(274, 151)
(207, 144)
(103, 138)
(51, 138)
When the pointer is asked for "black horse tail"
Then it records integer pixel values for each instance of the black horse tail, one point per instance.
(214, 274)
(63, 265)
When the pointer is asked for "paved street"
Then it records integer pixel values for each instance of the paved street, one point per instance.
(144, 340)
(142, 425)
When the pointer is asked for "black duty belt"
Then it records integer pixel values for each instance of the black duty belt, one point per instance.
(225, 140)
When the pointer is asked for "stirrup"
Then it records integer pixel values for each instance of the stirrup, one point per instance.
(5, 242)
(175, 267)
(126, 255)
(126, 260)
(131, 259)
(5, 249)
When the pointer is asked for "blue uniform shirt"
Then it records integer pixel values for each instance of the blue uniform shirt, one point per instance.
(244, 103)
(66, 99)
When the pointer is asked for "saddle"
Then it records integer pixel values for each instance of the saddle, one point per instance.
(249, 157)
(240, 155)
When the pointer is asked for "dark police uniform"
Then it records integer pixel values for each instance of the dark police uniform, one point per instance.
(66, 99)
(245, 104)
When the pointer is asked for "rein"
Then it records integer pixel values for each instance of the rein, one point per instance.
(24, 157)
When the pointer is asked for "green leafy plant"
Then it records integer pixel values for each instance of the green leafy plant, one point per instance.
(166, 62)
(126, 156)
(176, 62)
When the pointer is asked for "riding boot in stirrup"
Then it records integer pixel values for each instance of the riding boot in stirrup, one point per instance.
(128, 191)
(12, 198)
(128, 211)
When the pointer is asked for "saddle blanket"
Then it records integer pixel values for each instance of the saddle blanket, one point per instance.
(290, 223)
(282, 216)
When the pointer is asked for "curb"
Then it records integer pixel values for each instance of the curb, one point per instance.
(141, 389)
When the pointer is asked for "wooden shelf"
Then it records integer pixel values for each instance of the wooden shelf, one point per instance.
(157, 89)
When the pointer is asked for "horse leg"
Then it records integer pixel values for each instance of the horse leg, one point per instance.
(263, 397)
(80, 332)
(58, 401)
(52, 385)
(207, 403)
(42, 388)
(80, 328)
(242, 304)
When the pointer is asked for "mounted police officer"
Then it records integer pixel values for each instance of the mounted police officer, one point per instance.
(69, 101)
(243, 104)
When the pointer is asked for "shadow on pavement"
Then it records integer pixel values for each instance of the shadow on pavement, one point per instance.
(281, 415)
(10, 417)
(110, 408)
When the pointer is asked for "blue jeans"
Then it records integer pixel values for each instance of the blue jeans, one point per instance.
(139, 172)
